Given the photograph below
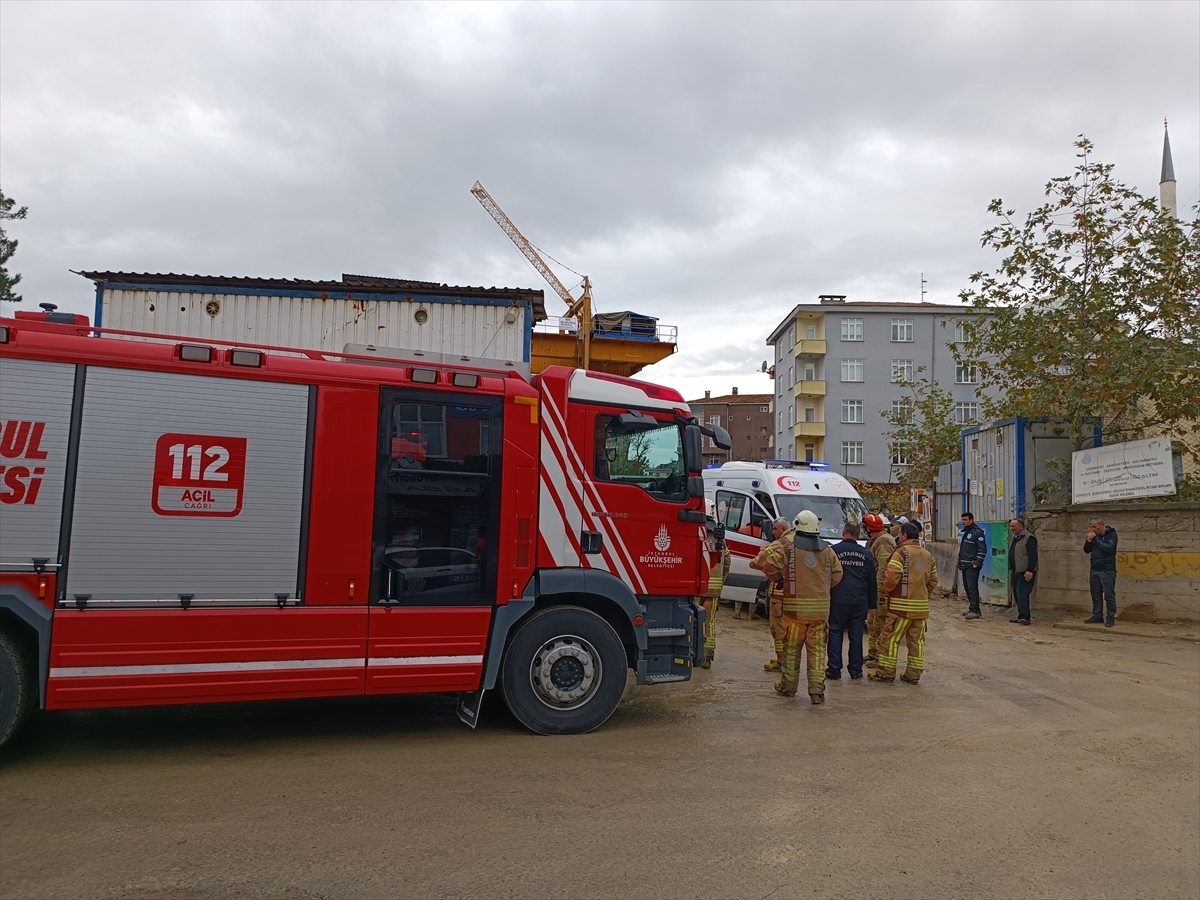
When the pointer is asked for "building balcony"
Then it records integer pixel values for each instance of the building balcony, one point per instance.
(810, 429)
(809, 348)
(809, 388)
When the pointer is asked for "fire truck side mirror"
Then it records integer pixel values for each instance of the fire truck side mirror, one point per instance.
(721, 438)
(695, 486)
(693, 449)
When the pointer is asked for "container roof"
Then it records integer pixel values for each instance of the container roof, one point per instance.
(364, 283)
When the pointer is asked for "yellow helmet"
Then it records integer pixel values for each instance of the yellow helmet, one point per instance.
(806, 522)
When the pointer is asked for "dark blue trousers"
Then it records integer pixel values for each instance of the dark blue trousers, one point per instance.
(851, 621)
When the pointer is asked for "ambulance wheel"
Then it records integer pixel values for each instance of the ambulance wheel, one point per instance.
(564, 671)
(16, 687)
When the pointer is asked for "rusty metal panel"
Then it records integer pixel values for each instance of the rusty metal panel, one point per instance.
(453, 329)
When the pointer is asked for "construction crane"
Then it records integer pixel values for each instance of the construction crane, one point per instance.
(577, 307)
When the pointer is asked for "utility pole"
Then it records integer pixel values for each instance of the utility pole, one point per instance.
(923, 283)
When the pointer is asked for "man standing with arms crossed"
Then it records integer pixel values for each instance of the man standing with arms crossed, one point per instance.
(1101, 545)
(972, 551)
(911, 575)
(881, 545)
(769, 561)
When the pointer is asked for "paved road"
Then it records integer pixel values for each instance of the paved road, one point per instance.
(1031, 762)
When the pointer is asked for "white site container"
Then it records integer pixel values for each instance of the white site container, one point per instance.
(489, 324)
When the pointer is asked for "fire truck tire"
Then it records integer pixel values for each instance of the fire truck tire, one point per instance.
(16, 688)
(564, 672)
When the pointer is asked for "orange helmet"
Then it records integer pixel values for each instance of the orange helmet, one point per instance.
(873, 522)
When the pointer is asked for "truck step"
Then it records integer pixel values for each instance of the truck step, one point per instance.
(660, 679)
(665, 632)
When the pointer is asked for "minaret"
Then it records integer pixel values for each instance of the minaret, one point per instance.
(1166, 183)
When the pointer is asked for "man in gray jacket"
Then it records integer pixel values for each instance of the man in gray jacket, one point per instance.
(1022, 568)
(1101, 545)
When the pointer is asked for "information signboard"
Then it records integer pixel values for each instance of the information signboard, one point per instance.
(1122, 471)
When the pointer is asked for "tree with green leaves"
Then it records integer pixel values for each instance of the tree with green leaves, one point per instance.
(924, 431)
(8, 247)
(1094, 311)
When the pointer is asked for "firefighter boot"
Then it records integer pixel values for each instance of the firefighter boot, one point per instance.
(709, 655)
(882, 675)
(772, 665)
(910, 676)
(782, 691)
(817, 699)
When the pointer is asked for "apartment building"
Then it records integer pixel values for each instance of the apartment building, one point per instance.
(838, 368)
(747, 418)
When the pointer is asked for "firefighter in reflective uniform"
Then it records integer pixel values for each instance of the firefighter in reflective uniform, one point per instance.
(769, 561)
(911, 575)
(810, 569)
(882, 545)
(718, 569)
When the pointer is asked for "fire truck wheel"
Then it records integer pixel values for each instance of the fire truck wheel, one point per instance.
(16, 688)
(564, 671)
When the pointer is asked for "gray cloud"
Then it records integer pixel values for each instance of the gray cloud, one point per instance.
(710, 164)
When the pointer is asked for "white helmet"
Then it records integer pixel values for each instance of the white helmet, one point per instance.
(806, 522)
(710, 510)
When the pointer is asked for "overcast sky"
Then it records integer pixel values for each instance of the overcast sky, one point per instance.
(709, 164)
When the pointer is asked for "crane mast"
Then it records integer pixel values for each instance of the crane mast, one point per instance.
(581, 307)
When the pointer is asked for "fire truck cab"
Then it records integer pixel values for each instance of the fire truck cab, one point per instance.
(186, 520)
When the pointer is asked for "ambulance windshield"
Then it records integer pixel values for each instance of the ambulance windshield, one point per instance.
(834, 512)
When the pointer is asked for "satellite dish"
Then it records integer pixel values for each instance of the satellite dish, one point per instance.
(764, 366)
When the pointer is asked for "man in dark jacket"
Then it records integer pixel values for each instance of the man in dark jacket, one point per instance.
(972, 551)
(1022, 568)
(849, 601)
(1101, 544)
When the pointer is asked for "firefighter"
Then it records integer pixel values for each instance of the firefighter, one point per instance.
(882, 545)
(719, 562)
(769, 561)
(911, 575)
(810, 569)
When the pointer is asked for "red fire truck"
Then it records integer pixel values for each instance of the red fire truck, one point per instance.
(190, 521)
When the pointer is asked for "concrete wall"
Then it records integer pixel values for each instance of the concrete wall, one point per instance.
(1158, 558)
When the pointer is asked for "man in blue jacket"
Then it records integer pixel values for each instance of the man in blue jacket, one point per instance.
(972, 551)
(1101, 545)
(849, 601)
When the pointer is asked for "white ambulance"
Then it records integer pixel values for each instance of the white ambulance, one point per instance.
(749, 496)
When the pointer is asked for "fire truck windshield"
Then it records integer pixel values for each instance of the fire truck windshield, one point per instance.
(833, 512)
(651, 458)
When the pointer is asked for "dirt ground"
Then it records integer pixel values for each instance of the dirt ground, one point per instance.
(1029, 762)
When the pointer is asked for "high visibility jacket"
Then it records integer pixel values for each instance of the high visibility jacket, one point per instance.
(807, 569)
(721, 560)
(883, 545)
(911, 575)
(770, 560)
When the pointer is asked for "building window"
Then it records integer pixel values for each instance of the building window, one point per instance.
(960, 332)
(965, 373)
(810, 452)
(852, 370)
(810, 332)
(810, 371)
(965, 413)
(852, 453)
(791, 415)
(852, 329)
(899, 454)
(714, 420)
(791, 376)
(902, 412)
(765, 409)
(810, 413)
(780, 417)
(902, 370)
(852, 411)
(902, 330)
